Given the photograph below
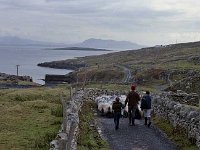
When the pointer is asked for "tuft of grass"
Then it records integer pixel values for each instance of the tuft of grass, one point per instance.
(88, 135)
(42, 140)
(177, 135)
(57, 111)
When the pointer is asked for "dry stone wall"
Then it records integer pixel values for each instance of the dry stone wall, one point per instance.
(184, 98)
(66, 138)
(179, 115)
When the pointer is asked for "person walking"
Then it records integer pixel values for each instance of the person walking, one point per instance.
(117, 107)
(132, 99)
(146, 108)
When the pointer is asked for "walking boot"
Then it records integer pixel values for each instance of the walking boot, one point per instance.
(130, 123)
(133, 122)
(145, 119)
(149, 122)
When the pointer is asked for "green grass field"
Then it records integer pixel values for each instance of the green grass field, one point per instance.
(30, 118)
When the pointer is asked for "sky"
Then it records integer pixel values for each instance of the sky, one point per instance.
(146, 22)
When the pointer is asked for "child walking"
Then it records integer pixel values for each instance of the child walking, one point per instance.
(117, 107)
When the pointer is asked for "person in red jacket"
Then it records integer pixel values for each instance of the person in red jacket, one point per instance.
(132, 99)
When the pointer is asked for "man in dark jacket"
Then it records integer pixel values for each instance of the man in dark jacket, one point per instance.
(132, 99)
(146, 107)
(117, 107)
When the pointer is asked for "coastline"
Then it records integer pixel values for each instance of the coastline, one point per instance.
(29, 57)
(80, 49)
(63, 64)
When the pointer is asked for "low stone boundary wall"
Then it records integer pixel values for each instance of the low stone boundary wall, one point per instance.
(66, 139)
(179, 115)
(184, 98)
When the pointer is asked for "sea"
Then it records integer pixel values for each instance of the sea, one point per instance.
(27, 57)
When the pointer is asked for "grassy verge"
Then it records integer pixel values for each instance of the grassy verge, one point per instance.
(30, 118)
(88, 135)
(176, 135)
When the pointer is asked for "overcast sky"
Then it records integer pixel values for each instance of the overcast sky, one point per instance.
(147, 22)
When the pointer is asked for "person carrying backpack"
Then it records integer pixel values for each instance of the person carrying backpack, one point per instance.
(117, 107)
(146, 108)
(132, 99)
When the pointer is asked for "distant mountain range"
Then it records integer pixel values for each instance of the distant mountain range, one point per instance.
(16, 41)
(90, 43)
(107, 44)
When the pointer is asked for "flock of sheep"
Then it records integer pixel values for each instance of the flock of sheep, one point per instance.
(105, 102)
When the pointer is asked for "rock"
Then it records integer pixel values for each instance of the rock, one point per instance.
(54, 145)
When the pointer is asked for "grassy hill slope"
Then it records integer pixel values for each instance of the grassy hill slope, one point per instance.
(163, 63)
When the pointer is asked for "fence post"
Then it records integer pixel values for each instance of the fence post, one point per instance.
(64, 112)
(71, 92)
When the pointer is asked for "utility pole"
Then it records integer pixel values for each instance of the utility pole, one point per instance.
(17, 69)
(85, 77)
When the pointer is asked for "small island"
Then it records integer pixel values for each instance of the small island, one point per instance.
(80, 48)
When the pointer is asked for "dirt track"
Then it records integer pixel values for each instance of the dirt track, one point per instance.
(138, 137)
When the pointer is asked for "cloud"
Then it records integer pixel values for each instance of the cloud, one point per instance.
(139, 21)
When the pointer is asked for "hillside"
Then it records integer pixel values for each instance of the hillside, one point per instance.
(164, 64)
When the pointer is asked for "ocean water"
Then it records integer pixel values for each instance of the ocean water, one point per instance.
(27, 57)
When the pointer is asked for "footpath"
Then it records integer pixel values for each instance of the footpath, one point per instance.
(138, 137)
